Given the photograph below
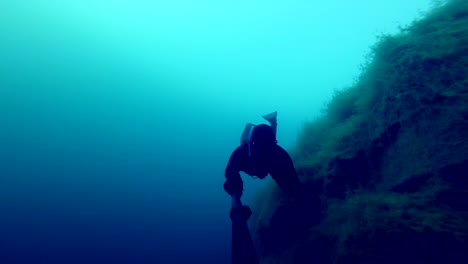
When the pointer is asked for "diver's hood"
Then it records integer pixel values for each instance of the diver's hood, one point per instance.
(247, 134)
(246, 137)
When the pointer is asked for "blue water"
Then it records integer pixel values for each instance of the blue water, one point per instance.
(117, 118)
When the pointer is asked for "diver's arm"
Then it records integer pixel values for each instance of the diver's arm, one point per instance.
(234, 182)
(283, 172)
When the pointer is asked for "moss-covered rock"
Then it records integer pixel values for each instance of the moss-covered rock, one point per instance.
(388, 157)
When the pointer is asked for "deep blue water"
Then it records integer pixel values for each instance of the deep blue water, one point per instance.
(117, 118)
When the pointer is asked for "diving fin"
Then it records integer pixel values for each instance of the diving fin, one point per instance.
(271, 118)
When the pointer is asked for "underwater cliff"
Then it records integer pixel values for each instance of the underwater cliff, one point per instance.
(388, 158)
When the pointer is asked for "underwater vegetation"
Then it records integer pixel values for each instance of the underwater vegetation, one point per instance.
(388, 158)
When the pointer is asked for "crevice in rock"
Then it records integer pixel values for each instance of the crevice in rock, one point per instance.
(413, 184)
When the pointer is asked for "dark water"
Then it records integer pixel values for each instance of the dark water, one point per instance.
(117, 118)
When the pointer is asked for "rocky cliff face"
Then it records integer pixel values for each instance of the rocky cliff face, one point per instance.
(388, 159)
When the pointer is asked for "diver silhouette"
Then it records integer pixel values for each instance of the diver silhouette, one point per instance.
(260, 155)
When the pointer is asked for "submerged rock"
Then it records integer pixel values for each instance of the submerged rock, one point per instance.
(385, 170)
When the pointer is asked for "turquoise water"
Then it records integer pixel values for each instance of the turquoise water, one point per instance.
(117, 118)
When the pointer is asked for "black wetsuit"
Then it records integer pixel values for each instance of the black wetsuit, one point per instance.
(276, 162)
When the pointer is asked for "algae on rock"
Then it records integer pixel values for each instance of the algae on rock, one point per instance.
(389, 156)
